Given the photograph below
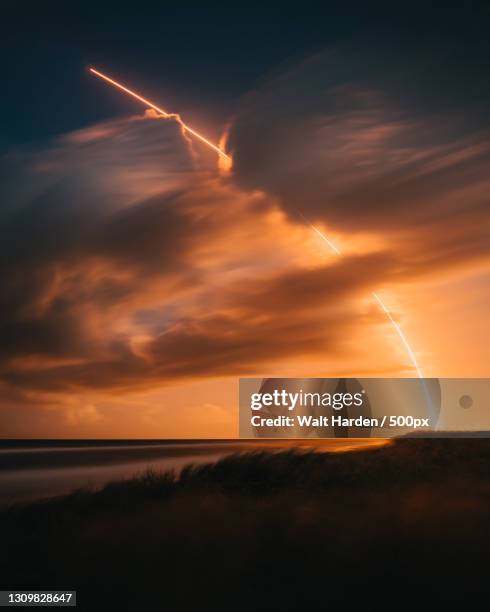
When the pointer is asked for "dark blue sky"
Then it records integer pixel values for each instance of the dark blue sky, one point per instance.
(193, 62)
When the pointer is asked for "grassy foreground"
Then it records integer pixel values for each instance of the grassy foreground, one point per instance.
(282, 527)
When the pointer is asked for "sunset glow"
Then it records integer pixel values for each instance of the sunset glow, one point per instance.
(345, 236)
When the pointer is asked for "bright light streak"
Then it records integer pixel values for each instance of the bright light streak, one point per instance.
(228, 159)
(401, 335)
(325, 239)
(175, 116)
(381, 304)
(322, 236)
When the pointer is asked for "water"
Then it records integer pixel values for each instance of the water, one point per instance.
(37, 469)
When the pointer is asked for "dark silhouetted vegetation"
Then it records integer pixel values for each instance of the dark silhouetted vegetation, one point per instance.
(411, 518)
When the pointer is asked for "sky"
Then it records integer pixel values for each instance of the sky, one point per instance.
(140, 278)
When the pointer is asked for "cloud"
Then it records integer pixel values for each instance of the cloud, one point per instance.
(368, 139)
(250, 324)
(75, 240)
(125, 264)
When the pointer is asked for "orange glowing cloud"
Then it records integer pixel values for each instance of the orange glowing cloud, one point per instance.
(139, 283)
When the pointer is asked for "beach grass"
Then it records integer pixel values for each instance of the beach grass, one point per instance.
(275, 527)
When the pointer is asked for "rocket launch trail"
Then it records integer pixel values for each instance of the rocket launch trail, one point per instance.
(400, 333)
(227, 158)
(162, 112)
(381, 304)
